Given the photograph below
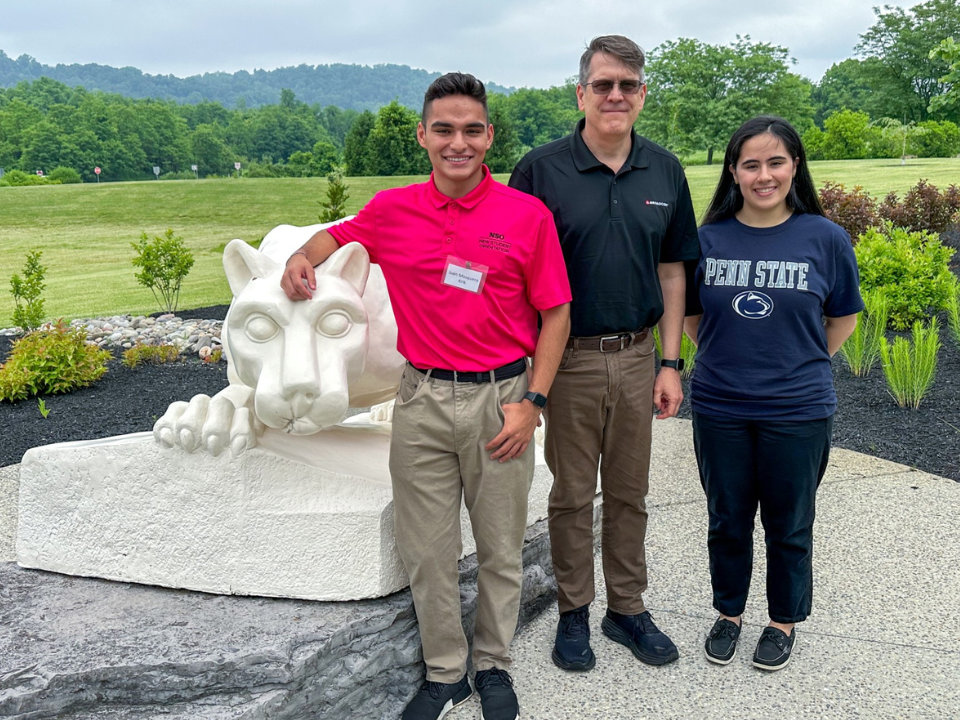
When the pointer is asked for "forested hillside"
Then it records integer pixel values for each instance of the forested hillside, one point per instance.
(351, 87)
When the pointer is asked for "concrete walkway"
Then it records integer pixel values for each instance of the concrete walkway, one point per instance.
(883, 640)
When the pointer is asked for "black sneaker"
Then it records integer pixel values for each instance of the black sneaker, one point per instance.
(721, 643)
(436, 699)
(641, 635)
(774, 648)
(498, 701)
(571, 650)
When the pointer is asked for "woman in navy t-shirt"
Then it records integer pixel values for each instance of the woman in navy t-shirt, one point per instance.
(779, 291)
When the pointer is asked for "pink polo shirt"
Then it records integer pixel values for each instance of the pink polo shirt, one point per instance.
(413, 233)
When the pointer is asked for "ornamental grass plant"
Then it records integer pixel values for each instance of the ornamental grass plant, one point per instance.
(953, 312)
(909, 367)
(862, 349)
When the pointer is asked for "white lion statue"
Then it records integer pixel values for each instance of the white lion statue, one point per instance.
(293, 366)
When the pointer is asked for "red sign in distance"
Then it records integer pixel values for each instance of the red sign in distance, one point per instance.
(96, 170)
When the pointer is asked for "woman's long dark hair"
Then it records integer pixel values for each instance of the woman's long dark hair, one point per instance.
(727, 200)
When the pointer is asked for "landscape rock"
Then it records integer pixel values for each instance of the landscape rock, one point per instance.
(81, 648)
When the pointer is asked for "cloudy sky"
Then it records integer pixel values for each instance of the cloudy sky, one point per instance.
(510, 42)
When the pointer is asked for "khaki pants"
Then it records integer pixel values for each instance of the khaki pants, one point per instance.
(600, 414)
(437, 455)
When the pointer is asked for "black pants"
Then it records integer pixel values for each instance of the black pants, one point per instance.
(777, 465)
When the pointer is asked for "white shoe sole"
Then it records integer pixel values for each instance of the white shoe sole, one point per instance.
(450, 705)
(718, 661)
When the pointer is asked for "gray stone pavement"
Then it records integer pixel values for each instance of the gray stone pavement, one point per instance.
(883, 640)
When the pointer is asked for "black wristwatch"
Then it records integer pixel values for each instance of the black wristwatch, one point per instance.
(537, 399)
(675, 364)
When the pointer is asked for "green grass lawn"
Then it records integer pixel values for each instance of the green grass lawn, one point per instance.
(878, 177)
(85, 230)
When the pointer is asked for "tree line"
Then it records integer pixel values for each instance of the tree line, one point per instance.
(899, 96)
(46, 124)
(352, 87)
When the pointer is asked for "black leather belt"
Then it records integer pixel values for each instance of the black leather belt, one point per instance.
(510, 370)
(608, 343)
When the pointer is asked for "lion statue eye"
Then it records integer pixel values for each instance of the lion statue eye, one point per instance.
(334, 324)
(260, 328)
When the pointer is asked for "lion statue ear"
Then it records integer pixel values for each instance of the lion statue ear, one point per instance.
(351, 262)
(242, 263)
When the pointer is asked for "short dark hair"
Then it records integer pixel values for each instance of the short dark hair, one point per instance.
(622, 48)
(455, 83)
(728, 199)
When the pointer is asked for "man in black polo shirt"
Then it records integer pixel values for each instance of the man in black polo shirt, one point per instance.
(626, 224)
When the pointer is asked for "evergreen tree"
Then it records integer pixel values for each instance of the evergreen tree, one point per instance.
(355, 151)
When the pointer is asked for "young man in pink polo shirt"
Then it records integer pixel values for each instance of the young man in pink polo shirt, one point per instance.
(469, 264)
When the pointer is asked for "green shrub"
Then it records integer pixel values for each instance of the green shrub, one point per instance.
(150, 355)
(910, 367)
(49, 361)
(813, 142)
(923, 209)
(911, 270)
(264, 169)
(334, 207)
(938, 139)
(179, 175)
(862, 348)
(164, 262)
(26, 291)
(853, 210)
(845, 135)
(65, 175)
(18, 178)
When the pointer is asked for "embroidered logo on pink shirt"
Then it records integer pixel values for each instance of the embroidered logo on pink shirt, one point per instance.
(495, 241)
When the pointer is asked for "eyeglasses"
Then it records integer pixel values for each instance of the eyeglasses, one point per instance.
(605, 87)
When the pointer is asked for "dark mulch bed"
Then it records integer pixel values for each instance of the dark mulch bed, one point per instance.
(122, 401)
(868, 420)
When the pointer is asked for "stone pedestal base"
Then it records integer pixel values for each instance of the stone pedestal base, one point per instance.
(297, 517)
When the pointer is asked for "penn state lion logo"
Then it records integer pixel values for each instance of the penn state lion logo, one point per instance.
(753, 305)
(293, 366)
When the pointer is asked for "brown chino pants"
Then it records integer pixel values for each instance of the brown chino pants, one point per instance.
(600, 414)
(437, 456)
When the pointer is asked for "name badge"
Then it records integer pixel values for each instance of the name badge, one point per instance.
(464, 274)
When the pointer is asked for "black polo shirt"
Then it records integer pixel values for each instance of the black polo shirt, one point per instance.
(615, 229)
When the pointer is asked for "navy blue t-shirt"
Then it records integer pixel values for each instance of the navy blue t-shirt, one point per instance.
(764, 292)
